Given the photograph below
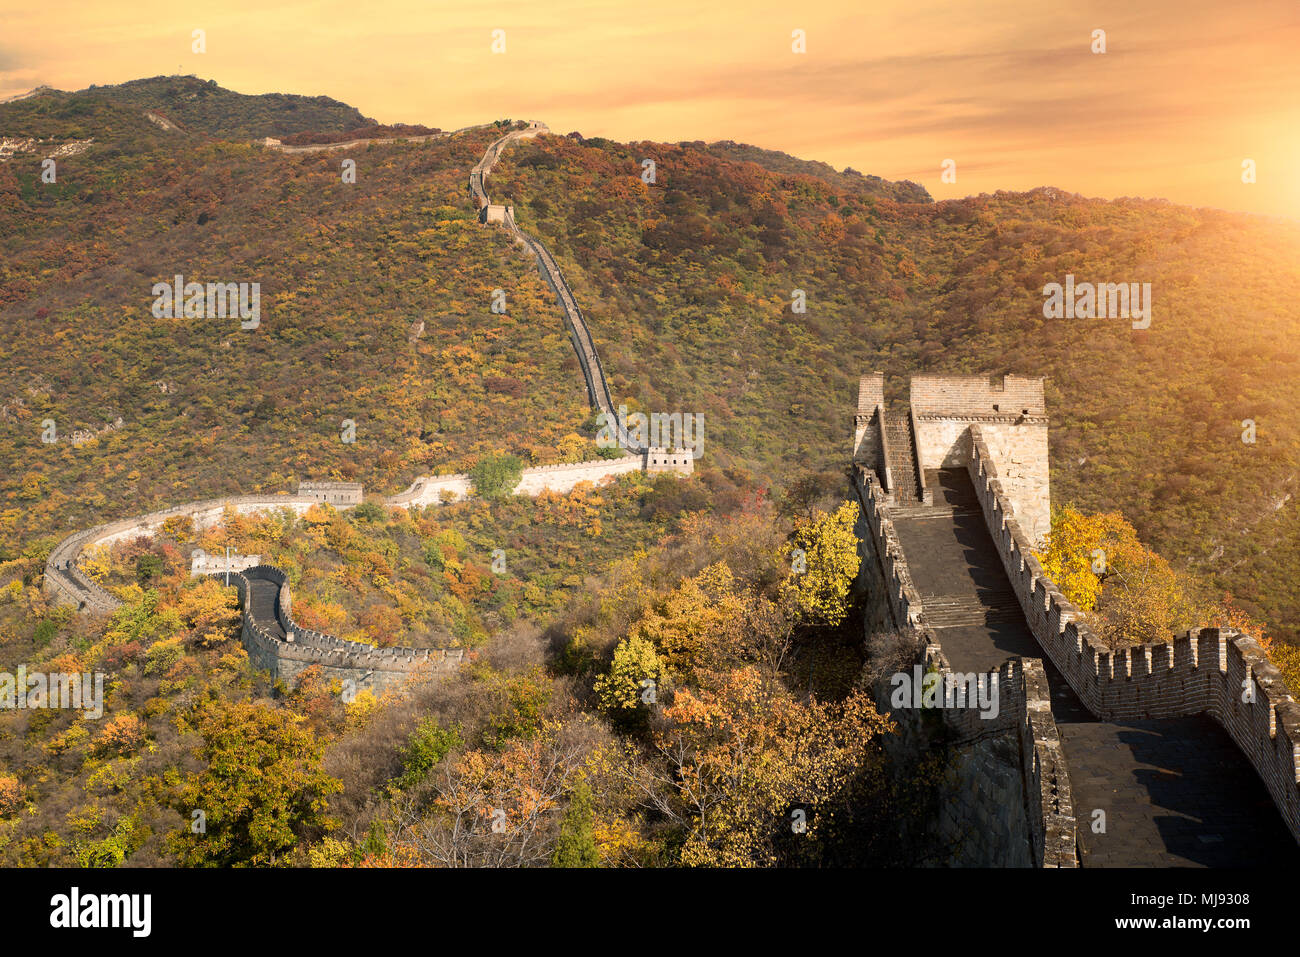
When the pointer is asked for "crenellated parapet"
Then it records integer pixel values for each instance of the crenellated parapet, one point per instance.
(1218, 672)
(1025, 713)
(903, 599)
(284, 648)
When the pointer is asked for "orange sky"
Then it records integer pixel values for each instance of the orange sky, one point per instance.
(1009, 90)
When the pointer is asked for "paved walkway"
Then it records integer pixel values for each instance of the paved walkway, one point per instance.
(1176, 793)
(263, 597)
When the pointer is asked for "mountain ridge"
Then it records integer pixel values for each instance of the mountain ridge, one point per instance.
(687, 284)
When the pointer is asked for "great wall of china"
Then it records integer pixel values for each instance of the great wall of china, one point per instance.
(592, 371)
(1073, 770)
(274, 642)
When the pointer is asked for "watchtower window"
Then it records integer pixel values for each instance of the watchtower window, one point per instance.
(995, 407)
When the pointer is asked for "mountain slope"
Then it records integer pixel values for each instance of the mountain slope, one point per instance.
(688, 287)
(691, 281)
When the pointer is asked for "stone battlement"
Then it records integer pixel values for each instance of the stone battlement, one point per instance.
(1025, 716)
(1216, 672)
(1213, 671)
(960, 396)
(334, 493)
(370, 668)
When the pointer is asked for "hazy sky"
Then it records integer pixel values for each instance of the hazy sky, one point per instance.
(1010, 91)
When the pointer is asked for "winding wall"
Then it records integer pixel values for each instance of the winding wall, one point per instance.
(67, 583)
(278, 644)
(588, 359)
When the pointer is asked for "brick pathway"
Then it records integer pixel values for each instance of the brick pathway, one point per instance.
(1176, 793)
(265, 595)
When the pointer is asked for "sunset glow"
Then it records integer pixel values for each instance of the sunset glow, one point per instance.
(1012, 93)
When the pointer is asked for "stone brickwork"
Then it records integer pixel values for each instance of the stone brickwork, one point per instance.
(1025, 717)
(669, 461)
(202, 563)
(869, 421)
(434, 490)
(494, 214)
(900, 599)
(1217, 672)
(971, 396)
(1001, 813)
(984, 821)
(338, 494)
(563, 477)
(286, 658)
(1012, 413)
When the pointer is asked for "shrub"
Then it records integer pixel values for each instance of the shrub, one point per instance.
(496, 475)
(622, 690)
(11, 795)
(122, 735)
(370, 512)
(45, 632)
(429, 743)
(576, 845)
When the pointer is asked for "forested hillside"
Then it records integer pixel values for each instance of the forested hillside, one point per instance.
(376, 308)
(201, 106)
(687, 282)
(690, 281)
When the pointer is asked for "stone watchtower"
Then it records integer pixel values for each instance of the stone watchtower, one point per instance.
(493, 213)
(1010, 412)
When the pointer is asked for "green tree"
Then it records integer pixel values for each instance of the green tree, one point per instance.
(262, 787)
(576, 845)
(429, 743)
(147, 568)
(496, 475)
(370, 512)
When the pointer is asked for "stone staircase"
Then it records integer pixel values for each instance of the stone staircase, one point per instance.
(917, 511)
(902, 458)
(955, 611)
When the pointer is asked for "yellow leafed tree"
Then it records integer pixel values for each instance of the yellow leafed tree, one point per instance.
(822, 556)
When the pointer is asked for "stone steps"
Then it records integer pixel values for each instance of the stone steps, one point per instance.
(911, 510)
(901, 459)
(954, 611)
